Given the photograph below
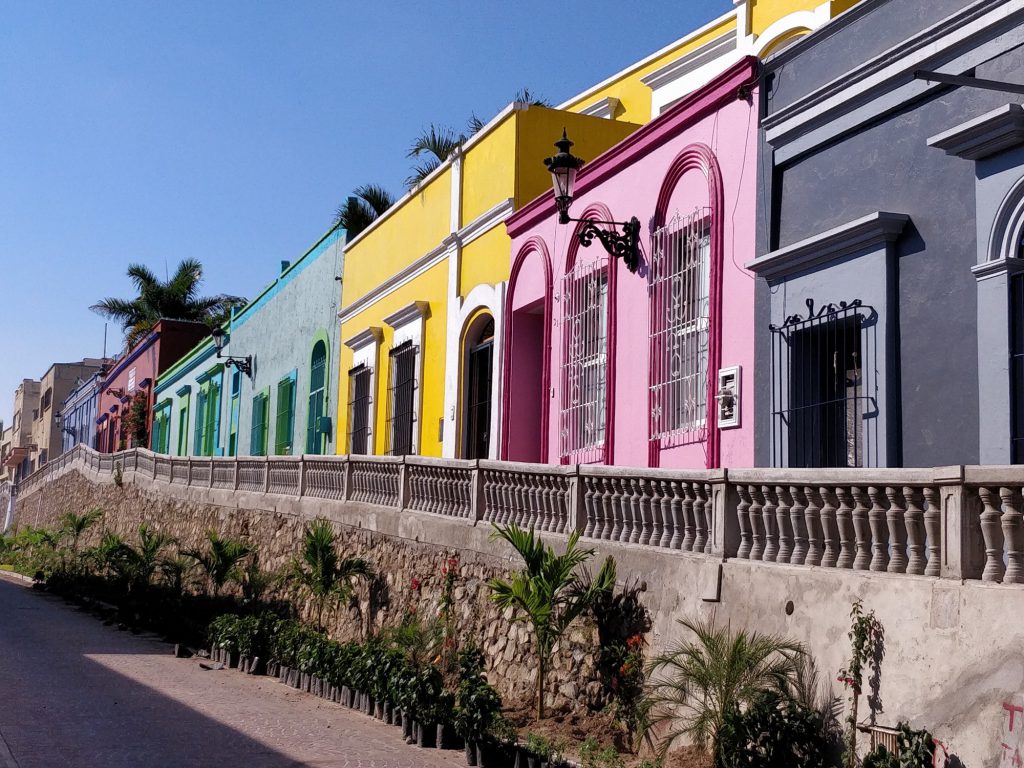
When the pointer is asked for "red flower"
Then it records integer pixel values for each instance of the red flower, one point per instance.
(635, 641)
(415, 584)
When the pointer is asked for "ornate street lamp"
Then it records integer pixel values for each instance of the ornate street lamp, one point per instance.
(244, 364)
(564, 166)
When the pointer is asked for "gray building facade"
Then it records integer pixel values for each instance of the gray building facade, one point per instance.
(291, 331)
(890, 222)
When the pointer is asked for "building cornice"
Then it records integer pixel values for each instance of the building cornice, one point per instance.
(997, 268)
(372, 335)
(422, 264)
(858, 235)
(482, 224)
(606, 108)
(983, 136)
(414, 310)
(698, 57)
(662, 129)
(883, 73)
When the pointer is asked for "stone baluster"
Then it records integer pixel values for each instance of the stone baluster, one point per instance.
(829, 533)
(743, 519)
(813, 522)
(589, 506)
(488, 495)
(682, 524)
(771, 530)
(844, 526)
(861, 531)
(635, 502)
(554, 506)
(1012, 536)
(563, 505)
(799, 524)
(914, 522)
(991, 531)
(625, 509)
(879, 531)
(666, 514)
(608, 507)
(933, 531)
(704, 496)
(646, 513)
(694, 504)
(756, 523)
(615, 503)
(895, 518)
(657, 526)
(785, 527)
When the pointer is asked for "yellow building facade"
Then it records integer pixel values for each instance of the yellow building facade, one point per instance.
(422, 305)
(423, 291)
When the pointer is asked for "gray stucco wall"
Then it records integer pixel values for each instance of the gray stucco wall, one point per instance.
(886, 165)
(279, 329)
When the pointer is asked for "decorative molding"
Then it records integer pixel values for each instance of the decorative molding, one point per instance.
(858, 235)
(393, 283)
(372, 335)
(182, 391)
(698, 57)
(483, 223)
(997, 268)
(884, 73)
(414, 310)
(606, 108)
(983, 136)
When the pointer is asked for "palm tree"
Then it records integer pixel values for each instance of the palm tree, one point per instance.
(147, 556)
(75, 526)
(550, 592)
(437, 144)
(221, 559)
(176, 298)
(711, 674)
(523, 95)
(362, 209)
(326, 578)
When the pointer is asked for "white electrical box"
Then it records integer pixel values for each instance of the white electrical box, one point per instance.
(728, 397)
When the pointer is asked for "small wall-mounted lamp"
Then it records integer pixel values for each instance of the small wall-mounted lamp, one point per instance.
(564, 166)
(244, 364)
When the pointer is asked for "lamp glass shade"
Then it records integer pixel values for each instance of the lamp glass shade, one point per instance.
(218, 338)
(564, 181)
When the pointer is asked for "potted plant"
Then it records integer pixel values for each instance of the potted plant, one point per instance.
(539, 750)
(477, 704)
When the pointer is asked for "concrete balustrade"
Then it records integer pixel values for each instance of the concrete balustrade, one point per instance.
(950, 522)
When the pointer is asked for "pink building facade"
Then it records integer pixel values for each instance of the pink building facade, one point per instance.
(654, 368)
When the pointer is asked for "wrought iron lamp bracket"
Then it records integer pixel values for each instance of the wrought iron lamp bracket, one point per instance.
(625, 246)
(243, 364)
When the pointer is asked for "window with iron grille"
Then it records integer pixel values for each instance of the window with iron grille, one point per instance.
(285, 423)
(819, 397)
(260, 417)
(402, 399)
(680, 279)
(359, 409)
(584, 362)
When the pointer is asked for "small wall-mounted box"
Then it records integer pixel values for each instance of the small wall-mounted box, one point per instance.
(728, 397)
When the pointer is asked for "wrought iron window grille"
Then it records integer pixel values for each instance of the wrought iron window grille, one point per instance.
(402, 387)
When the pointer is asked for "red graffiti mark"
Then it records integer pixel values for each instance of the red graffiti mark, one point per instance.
(1015, 760)
(1013, 709)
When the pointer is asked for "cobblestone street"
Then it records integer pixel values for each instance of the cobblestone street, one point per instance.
(76, 693)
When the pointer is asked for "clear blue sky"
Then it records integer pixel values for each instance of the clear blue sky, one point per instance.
(230, 131)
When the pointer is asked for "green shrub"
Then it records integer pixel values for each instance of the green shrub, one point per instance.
(593, 756)
(477, 704)
(773, 733)
(914, 749)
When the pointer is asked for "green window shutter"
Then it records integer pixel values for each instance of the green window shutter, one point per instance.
(212, 429)
(317, 398)
(285, 422)
(258, 436)
(183, 430)
(200, 432)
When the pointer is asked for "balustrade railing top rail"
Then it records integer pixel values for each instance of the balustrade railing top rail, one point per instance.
(954, 522)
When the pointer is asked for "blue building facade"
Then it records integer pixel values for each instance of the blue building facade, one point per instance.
(79, 412)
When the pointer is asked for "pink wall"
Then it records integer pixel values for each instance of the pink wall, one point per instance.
(702, 152)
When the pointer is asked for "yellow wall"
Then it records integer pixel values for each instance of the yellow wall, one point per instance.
(488, 170)
(635, 97)
(485, 261)
(407, 233)
(764, 13)
(431, 286)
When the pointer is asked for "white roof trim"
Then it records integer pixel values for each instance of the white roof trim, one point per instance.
(983, 136)
(414, 310)
(372, 335)
(396, 281)
(693, 60)
(605, 108)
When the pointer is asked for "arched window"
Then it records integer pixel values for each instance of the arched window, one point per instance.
(317, 399)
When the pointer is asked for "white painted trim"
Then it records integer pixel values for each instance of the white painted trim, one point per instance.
(695, 59)
(455, 217)
(605, 108)
(371, 335)
(393, 283)
(368, 354)
(485, 222)
(983, 136)
(858, 235)
(997, 268)
(809, 20)
(888, 71)
(414, 310)
(492, 299)
(699, 32)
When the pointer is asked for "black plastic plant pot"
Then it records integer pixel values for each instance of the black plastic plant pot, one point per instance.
(388, 710)
(426, 736)
(470, 753)
(233, 660)
(378, 709)
(406, 726)
(346, 696)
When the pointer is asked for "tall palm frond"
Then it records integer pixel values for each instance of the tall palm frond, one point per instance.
(320, 573)
(220, 559)
(435, 145)
(714, 672)
(361, 209)
(75, 525)
(176, 298)
(524, 96)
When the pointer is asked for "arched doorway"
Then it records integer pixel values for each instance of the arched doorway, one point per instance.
(479, 366)
(315, 434)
